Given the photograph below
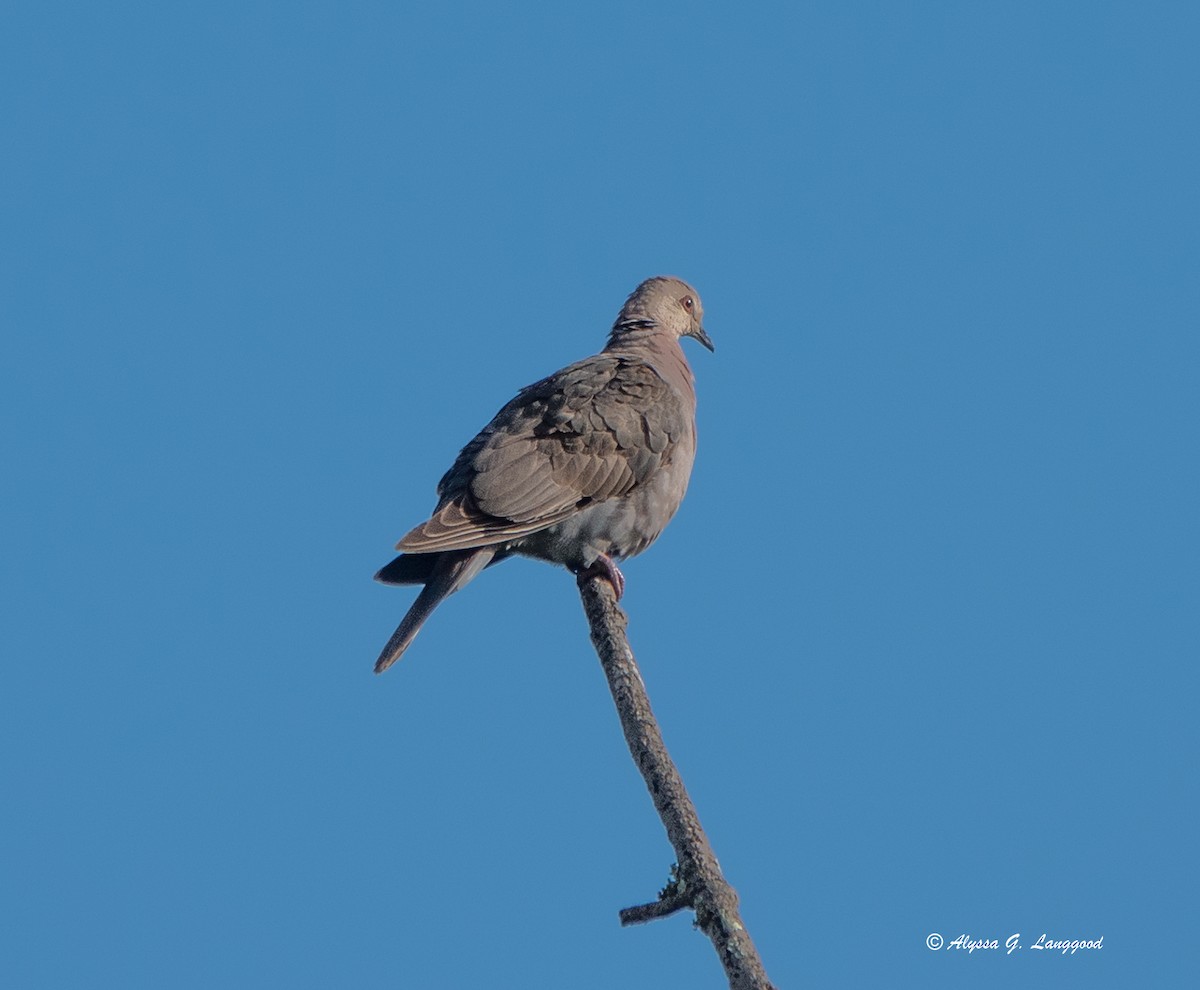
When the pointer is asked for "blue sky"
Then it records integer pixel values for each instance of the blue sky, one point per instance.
(922, 638)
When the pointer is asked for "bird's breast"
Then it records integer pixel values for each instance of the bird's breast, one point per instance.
(619, 527)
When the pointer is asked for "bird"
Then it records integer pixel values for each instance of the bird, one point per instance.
(583, 468)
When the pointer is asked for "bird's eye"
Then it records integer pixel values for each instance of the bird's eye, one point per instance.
(688, 303)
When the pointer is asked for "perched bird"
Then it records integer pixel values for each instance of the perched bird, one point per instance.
(583, 468)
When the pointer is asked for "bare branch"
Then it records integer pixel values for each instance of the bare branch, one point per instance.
(696, 881)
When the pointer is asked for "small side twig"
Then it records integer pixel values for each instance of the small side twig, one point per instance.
(675, 896)
(696, 881)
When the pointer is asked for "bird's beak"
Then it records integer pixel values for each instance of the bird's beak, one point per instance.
(703, 337)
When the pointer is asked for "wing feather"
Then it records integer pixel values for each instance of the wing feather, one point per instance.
(583, 435)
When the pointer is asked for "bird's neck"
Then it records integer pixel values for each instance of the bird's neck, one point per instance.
(658, 348)
(635, 333)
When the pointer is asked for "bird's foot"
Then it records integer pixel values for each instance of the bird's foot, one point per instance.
(603, 567)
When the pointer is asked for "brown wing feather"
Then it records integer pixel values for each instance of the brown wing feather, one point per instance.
(578, 437)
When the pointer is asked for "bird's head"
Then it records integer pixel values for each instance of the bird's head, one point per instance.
(664, 303)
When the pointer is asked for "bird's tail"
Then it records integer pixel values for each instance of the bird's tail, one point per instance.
(449, 571)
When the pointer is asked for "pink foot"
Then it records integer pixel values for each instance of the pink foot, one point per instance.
(604, 567)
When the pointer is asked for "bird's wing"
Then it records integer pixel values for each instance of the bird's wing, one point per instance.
(593, 431)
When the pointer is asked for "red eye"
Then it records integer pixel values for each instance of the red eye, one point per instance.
(688, 303)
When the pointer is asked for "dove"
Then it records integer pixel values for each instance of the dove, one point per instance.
(584, 468)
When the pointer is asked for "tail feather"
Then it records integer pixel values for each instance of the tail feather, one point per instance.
(408, 568)
(417, 568)
(446, 573)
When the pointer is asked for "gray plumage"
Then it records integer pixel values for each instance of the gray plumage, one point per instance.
(584, 468)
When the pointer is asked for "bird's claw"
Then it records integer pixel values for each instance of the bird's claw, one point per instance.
(605, 568)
